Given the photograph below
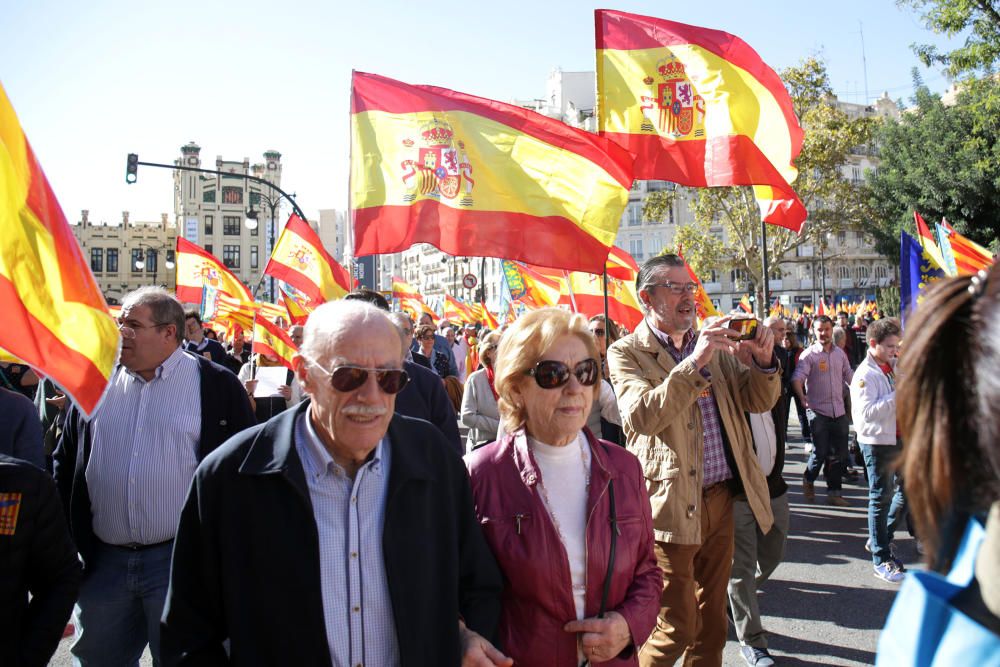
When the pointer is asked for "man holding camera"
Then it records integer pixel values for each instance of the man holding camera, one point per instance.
(682, 395)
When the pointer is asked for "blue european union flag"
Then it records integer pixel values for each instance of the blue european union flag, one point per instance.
(916, 271)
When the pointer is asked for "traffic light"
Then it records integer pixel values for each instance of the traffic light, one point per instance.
(131, 167)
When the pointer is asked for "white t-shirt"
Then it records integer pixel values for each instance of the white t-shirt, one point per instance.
(565, 471)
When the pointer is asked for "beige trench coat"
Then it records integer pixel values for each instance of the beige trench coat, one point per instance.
(662, 421)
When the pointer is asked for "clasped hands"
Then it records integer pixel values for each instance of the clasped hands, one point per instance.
(601, 639)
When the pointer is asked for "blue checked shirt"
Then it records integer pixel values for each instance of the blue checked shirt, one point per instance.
(145, 451)
(349, 518)
(714, 464)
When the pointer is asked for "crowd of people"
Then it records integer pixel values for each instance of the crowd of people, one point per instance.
(559, 492)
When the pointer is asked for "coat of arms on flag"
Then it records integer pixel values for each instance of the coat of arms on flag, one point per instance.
(672, 104)
(441, 165)
(10, 505)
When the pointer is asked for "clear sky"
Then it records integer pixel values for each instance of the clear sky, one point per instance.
(92, 81)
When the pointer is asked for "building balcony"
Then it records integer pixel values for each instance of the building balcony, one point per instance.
(713, 288)
(776, 284)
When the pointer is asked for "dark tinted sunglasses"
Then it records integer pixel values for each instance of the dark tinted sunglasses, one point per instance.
(554, 374)
(349, 378)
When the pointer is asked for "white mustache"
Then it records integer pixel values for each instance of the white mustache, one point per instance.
(364, 410)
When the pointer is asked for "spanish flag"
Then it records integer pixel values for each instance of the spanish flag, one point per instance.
(698, 107)
(197, 268)
(403, 290)
(300, 260)
(621, 265)
(297, 312)
(55, 318)
(476, 177)
(584, 293)
(488, 319)
(456, 311)
(270, 339)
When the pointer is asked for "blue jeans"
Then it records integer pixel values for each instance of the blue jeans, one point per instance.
(886, 502)
(830, 442)
(121, 601)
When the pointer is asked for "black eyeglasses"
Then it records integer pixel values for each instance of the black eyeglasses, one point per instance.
(677, 288)
(554, 374)
(349, 378)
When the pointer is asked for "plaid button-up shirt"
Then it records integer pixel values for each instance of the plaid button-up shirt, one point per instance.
(715, 467)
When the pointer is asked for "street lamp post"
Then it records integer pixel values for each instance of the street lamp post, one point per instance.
(140, 262)
(251, 223)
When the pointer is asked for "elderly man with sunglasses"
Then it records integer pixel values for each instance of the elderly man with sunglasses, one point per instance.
(682, 394)
(338, 532)
(124, 474)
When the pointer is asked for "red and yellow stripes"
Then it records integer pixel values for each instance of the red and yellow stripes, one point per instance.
(300, 260)
(197, 268)
(269, 339)
(55, 318)
(473, 176)
(698, 107)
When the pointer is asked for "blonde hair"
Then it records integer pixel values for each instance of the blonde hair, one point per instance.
(522, 346)
(490, 341)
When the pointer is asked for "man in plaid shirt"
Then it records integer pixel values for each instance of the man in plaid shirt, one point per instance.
(682, 394)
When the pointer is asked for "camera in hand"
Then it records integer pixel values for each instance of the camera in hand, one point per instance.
(745, 328)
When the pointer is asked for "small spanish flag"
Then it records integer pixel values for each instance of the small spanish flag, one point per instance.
(703, 304)
(300, 260)
(197, 268)
(297, 311)
(698, 107)
(476, 177)
(55, 318)
(456, 311)
(270, 339)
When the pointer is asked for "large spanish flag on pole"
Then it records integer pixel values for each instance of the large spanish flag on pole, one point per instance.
(300, 260)
(698, 107)
(476, 177)
(197, 269)
(55, 318)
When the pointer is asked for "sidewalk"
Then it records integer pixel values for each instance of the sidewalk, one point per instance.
(823, 605)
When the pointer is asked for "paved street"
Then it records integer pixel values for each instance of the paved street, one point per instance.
(822, 606)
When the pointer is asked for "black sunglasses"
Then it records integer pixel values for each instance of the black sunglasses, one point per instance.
(349, 378)
(554, 374)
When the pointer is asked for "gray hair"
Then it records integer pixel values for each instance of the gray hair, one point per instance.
(401, 321)
(839, 334)
(333, 319)
(163, 306)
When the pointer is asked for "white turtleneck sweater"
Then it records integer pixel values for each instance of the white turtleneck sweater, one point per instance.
(564, 472)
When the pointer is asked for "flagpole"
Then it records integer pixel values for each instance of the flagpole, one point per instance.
(607, 319)
(766, 300)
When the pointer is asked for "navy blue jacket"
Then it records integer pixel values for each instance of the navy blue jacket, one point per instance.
(37, 556)
(225, 411)
(442, 345)
(246, 564)
(20, 428)
(425, 398)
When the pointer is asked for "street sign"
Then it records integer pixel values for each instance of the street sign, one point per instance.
(469, 281)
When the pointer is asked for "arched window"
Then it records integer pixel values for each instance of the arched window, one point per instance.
(844, 272)
(881, 272)
(860, 273)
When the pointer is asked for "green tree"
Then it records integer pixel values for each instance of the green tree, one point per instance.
(941, 161)
(978, 20)
(834, 202)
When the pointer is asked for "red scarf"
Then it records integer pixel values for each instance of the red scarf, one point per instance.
(490, 377)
